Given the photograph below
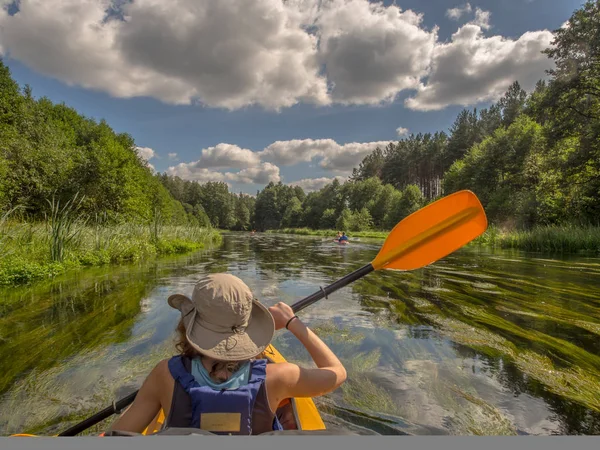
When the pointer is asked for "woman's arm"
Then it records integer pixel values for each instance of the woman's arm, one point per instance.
(294, 381)
(145, 406)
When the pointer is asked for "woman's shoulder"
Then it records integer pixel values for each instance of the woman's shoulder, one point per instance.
(280, 370)
(162, 367)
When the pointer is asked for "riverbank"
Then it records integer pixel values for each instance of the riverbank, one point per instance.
(560, 239)
(31, 252)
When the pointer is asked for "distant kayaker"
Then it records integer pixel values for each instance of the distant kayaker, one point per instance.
(343, 237)
(220, 378)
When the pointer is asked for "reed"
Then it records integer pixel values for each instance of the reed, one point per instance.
(25, 255)
(64, 226)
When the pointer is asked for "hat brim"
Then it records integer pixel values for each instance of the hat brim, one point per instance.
(229, 346)
(181, 302)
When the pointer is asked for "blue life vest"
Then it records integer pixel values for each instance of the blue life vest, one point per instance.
(224, 411)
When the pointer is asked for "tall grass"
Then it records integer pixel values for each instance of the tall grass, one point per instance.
(25, 246)
(63, 225)
(4, 232)
(559, 239)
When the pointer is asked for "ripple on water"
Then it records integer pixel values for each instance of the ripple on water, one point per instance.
(433, 351)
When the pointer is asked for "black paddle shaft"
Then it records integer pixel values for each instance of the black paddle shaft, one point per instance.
(116, 408)
(325, 291)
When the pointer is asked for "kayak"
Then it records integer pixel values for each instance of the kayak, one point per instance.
(341, 242)
(294, 414)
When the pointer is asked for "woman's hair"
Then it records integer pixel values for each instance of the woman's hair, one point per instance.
(185, 349)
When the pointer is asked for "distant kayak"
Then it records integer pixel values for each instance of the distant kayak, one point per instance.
(341, 242)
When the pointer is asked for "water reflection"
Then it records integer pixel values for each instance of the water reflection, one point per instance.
(478, 343)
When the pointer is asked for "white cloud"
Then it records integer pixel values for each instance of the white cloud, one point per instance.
(459, 11)
(189, 171)
(482, 19)
(288, 153)
(334, 157)
(273, 53)
(372, 52)
(314, 184)
(173, 156)
(146, 153)
(401, 131)
(473, 68)
(261, 167)
(263, 174)
(226, 156)
(346, 157)
(224, 53)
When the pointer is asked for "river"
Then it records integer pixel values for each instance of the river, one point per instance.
(481, 342)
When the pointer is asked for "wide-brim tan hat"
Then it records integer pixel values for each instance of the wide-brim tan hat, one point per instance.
(223, 320)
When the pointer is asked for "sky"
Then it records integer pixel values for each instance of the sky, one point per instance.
(253, 91)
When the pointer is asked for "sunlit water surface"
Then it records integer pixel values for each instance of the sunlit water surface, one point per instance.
(478, 343)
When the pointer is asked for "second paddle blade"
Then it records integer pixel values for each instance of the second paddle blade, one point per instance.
(433, 232)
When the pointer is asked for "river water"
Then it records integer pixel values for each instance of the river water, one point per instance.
(480, 342)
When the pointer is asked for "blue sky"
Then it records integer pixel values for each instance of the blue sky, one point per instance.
(364, 106)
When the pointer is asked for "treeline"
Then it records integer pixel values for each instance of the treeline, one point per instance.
(49, 150)
(532, 159)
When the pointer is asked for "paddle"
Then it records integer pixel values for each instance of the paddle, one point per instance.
(422, 238)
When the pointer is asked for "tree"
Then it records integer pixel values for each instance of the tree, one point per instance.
(344, 221)
(361, 220)
(512, 104)
(242, 216)
(370, 166)
(293, 214)
(328, 219)
(576, 53)
(463, 135)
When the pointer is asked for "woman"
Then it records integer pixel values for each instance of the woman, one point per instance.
(217, 383)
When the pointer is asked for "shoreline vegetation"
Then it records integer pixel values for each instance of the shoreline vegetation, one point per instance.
(27, 248)
(75, 193)
(556, 239)
(33, 251)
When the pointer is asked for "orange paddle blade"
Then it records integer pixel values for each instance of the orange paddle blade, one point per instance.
(432, 232)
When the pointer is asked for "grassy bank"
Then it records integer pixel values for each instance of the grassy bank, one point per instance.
(35, 251)
(559, 239)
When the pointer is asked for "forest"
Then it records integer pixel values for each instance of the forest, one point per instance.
(73, 191)
(533, 159)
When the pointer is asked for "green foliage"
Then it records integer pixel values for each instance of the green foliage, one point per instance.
(344, 221)
(26, 257)
(63, 226)
(293, 213)
(371, 166)
(354, 220)
(532, 159)
(361, 220)
(328, 219)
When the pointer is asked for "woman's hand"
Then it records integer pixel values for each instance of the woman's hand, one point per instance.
(281, 313)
